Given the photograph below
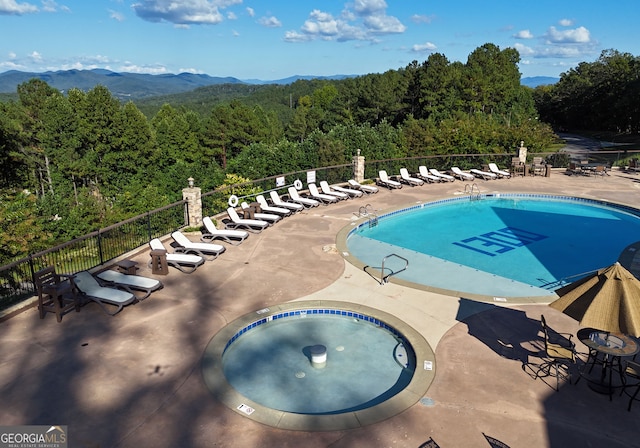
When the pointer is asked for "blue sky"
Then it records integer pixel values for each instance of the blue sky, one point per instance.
(269, 40)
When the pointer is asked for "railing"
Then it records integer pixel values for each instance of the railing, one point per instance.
(385, 278)
(470, 188)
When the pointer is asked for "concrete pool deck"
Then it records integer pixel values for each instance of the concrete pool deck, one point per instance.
(134, 380)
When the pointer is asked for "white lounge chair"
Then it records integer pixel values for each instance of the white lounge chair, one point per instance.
(326, 189)
(366, 189)
(264, 205)
(350, 191)
(137, 282)
(208, 251)
(461, 174)
(498, 172)
(407, 179)
(423, 173)
(251, 225)
(442, 176)
(186, 263)
(323, 198)
(92, 290)
(234, 237)
(305, 202)
(268, 217)
(385, 181)
(278, 202)
(486, 175)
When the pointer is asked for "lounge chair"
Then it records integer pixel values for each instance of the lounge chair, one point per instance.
(384, 181)
(89, 287)
(486, 175)
(443, 176)
(366, 189)
(234, 237)
(457, 172)
(186, 263)
(135, 282)
(208, 251)
(326, 189)
(423, 173)
(305, 202)
(264, 205)
(278, 202)
(350, 191)
(268, 217)
(498, 172)
(407, 179)
(251, 225)
(321, 197)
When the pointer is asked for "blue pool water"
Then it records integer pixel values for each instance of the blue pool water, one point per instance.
(513, 245)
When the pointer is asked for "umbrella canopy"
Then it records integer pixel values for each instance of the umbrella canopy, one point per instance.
(608, 300)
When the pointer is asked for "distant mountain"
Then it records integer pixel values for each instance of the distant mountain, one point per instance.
(132, 85)
(535, 81)
(135, 86)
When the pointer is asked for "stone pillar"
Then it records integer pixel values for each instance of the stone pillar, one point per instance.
(358, 167)
(193, 196)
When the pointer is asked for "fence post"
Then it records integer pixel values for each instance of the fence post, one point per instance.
(358, 167)
(193, 196)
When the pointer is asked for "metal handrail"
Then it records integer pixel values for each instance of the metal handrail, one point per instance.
(385, 278)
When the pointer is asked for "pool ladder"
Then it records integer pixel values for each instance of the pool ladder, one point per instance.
(364, 211)
(385, 278)
(473, 191)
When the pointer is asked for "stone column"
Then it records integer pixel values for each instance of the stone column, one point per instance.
(522, 152)
(193, 196)
(358, 167)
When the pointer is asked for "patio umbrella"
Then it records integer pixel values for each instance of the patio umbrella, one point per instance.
(608, 300)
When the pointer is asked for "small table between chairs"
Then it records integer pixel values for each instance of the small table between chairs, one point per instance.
(606, 349)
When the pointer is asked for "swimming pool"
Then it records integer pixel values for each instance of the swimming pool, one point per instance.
(502, 245)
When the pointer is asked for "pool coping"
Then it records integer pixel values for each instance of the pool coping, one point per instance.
(222, 390)
(343, 250)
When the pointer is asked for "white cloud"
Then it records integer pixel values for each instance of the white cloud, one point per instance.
(269, 22)
(427, 47)
(565, 22)
(11, 7)
(416, 18)
(185, 12)
(361, 20)
(524, 34)
(35, 56)
(578, 35)
(231, 15)
(524, 50)
(251, 12)
(115, 15)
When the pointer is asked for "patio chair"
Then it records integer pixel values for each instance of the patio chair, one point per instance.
(457, 172)
(350, 191)
(517, 167)
(537, 166)
(366, 189)
(305, 202)
(56, 293)
(631, 385)
(384, 181)
(250, 225)
(279, 202)
(208, 251)
(133, 282)
(559, 351)
(186, 263)
(250, 213)
(89, 287)
(423, 173)
(326, 189)
(264, 205)
(498, 172)
(323, 198)
(211, 233)
(407, 179)
(486, 175)
(445, 177)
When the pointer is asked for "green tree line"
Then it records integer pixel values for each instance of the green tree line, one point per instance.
(76, 162)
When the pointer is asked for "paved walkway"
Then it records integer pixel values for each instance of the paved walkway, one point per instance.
(134, 380)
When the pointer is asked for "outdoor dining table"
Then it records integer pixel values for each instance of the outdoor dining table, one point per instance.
(606, 349)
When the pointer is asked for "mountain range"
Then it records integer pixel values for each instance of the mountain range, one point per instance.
(137, 85)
